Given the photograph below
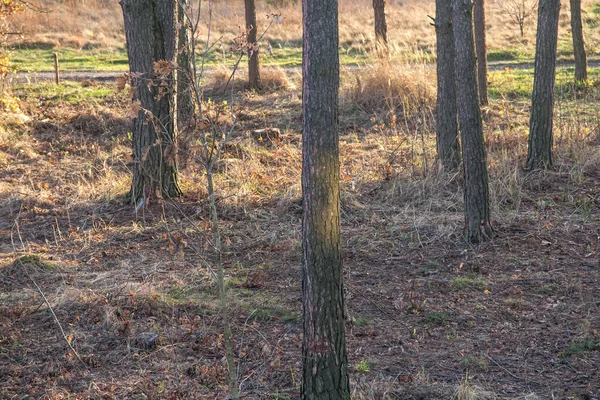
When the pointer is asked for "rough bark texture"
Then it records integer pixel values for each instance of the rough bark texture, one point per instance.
(253, 61)
(578, 42)
(380, 22)
(477, 210)
(185, 104)
(480, 46)
(150, 35)
(325, 364)
(448, 148)
(539, 154)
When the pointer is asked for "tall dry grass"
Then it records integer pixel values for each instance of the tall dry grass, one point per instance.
(78, 23)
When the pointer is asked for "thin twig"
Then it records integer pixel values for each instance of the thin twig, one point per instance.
(62, 331)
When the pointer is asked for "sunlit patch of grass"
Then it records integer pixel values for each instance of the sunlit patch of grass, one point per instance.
(68, 92)
(70, 59)
(466, 283)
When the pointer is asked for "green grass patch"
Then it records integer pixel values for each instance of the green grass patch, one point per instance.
(361, 322)
(364, 366)
(69, 59)
(115, 60)
(35, 260)
(67, 92)
(509, 55)
(436, 318)
(466, 283)
(578, 347)
(510, 83)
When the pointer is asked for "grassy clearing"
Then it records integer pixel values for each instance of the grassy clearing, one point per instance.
(41, 60)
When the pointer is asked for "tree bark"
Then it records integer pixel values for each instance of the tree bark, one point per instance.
(480, 46)
(539, 154)
(448, 147)
(150, 36)
(477, 210)
(185, 104)
(578, 42)
(253, 61)
(380, 22)
(325, 364)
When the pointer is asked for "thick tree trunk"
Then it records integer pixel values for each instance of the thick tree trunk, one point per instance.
(448, 148)
(325, 364)
(578, 42)
(150, 35)
(480, 46)
(253, 62)
(477, 210)
(380, 22)
(539, 154)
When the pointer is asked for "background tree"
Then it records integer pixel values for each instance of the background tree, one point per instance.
(477, 210)
(480, 47)
(325, 364)
(151, 36)
(253, 62)
(578, 42)
(448, 148)
(380, 22)
(539, 153)
(520, 11)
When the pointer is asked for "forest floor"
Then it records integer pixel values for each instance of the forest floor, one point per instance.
(429, 316)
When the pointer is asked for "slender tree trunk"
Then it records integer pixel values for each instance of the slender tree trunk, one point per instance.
(185, 104)
(480, 46)
(539, 154)
(578, 42)
(150, 35)
(380, 23)
(448, 148)
(325, 364)
(253, 62)
(477, 210)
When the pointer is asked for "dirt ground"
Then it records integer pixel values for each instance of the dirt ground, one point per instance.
(429, 316)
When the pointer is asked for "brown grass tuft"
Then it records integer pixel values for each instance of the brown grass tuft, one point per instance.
(403, 89)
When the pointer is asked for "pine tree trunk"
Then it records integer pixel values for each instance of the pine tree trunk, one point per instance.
(380, 22)
(477, 210)
(325, 364)
(253, 61)
(480, 46)
(150, 35)
(448, 148)
(539, 154)
(578, 42)
(185, 104)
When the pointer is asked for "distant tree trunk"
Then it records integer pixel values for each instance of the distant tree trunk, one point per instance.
(448, 148)
(185, 105)
(578, 42)
(150, 34)
(477, 210)
(325, 363)
(380, 23)
(480, 45)
(253, 62)
(539, 154)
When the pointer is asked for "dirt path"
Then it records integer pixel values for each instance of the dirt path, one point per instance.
(79, 76)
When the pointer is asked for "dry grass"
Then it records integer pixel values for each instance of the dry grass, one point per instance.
(65, 170)
(111, 275)
(387, 86)
(96, 23)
